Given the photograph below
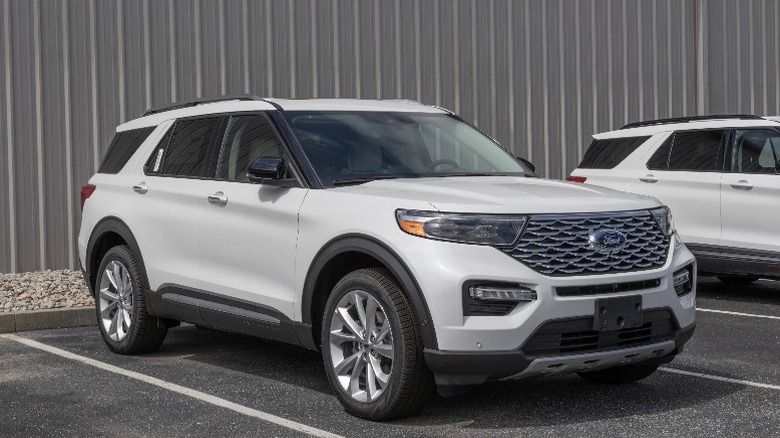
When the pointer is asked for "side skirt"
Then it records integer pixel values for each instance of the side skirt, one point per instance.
(224, 313)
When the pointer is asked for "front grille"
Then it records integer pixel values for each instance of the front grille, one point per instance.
(557, 245)
(577, 335)
(610, 288)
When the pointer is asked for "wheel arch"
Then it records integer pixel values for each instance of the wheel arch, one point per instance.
(108, 233)
(348, 253)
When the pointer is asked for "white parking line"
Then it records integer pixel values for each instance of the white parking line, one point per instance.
(753, 315)
(176, 388)
(721, 379)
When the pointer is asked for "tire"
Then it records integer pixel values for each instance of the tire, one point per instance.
(620, 375)
(116, 300)
(392, 352)
(737, 279)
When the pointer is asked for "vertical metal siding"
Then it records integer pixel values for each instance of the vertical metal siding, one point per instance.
(540, 77)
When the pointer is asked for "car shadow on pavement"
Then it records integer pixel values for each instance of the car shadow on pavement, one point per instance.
(535, 402)
(761, 292)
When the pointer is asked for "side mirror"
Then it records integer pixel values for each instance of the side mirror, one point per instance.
(265, 168)
(527, 164)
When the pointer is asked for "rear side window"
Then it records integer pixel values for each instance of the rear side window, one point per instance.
(695, 150)
(188, 148)
(688, 150)
(122, 147)
(606, 154)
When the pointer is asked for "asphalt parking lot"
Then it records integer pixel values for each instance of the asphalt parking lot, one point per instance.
(65, 383)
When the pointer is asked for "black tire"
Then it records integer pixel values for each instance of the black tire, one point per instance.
(620, 375)
(143, 335)
(737, 279)
(410, 384)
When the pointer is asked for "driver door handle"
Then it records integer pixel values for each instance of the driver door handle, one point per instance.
(742, 185)
(217, 198)
(648, 178)
(140, 188)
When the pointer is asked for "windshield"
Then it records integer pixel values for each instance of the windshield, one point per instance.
(354, 147)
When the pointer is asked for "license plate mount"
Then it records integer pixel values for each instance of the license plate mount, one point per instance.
(618, 313)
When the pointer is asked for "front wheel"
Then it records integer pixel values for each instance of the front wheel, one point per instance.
(620, 375)
(372, 347)
(124, 322)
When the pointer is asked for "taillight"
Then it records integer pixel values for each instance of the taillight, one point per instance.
(579, 179)
(86, 192)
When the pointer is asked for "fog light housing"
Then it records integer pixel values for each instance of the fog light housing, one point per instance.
(494, 299)
(682, 281)
(493, 293)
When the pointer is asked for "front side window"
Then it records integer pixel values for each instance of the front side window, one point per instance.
(348, 147)
(755, 151)
(248, 138)
(187, 149)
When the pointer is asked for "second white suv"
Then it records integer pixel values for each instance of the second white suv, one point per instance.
(408, 247)
(720, 175)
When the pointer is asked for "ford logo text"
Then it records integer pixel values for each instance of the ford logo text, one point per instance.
(607, 241)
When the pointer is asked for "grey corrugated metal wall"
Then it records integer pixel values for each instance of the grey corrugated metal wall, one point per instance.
(540, 76)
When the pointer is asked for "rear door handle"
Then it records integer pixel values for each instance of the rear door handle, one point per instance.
(218, 198)
(140, 188)
(742, 185)
(648, 179)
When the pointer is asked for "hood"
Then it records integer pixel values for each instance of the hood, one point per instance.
(503, 194)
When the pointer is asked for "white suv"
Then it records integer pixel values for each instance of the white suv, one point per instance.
(407, 246)
(720, 175)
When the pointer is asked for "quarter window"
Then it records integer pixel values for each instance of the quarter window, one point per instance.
(755, 151)
(606, 154)
(249, 138)
(123, 146)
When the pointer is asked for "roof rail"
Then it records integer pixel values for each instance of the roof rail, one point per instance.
(691, 119)
(201, 102)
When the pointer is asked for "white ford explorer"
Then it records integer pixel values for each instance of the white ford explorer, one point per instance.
(407, 246)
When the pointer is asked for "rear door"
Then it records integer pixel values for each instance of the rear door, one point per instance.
(684, 173)
(750, 208)
(248, 232)
(166, 201)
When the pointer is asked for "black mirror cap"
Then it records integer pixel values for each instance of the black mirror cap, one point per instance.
(265, 168)
(527, 164)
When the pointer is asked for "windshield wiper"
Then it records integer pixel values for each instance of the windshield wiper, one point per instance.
(357, 181)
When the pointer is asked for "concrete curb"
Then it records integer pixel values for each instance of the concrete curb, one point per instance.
(47, 319)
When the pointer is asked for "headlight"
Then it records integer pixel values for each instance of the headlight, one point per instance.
(663, 216)
(480, 229)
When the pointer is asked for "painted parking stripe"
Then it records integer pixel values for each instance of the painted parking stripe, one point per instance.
(752, 315)
(721, 379)
(175, 388)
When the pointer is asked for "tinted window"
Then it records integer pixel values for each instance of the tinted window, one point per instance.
(122, 147)
(755, 151)
(695, 150)
(188, 148)
(606, 154)
(660, 159)
(249, 138)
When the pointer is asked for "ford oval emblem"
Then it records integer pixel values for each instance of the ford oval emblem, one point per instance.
(607, 241)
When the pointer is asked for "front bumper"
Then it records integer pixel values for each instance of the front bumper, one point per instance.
(457, 368)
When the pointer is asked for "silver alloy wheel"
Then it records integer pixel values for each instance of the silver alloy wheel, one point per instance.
(116, 300)
(361, 346)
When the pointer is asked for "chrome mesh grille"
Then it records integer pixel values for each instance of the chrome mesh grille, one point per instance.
(557, 245)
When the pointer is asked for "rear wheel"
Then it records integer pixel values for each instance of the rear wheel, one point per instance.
(372, 348)
(620, 375)
(737, 279)
(124, 322)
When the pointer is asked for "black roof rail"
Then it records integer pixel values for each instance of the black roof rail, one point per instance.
(201, 102)
(691, 119)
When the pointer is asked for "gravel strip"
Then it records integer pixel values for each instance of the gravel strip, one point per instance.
(43, 290)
